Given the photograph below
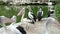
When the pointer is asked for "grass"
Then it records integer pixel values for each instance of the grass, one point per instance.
(57, 12)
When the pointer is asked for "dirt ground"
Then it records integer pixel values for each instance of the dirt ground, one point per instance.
(39, 28)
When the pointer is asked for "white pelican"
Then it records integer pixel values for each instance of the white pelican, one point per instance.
(16, 29)
(40, 14)
(24, 20)
(3, 20)
(31, 15)
(11, 29)
(51, 21)
(14, 18)
(22, 13)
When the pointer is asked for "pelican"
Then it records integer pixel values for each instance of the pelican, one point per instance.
(51, 21)
(31, 15)
(11, 29)
(14, 18)
(2, 22)
(24, 20)
(22, 13)
(40, 14)
(16, 29)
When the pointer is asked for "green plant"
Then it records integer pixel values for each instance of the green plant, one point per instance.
(57, 12)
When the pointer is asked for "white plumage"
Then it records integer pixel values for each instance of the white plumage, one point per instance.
(14, 18)
(11, 29)
(4, 26)
(22, 13)
(40, 11)
(14, 29)
(30, 15)
(26, 20)
(51, 21)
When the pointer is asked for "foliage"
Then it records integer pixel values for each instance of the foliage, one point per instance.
(57, 12)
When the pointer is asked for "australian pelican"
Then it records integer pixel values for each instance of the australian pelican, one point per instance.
(51, 21)
(40, 14)
(31, 15)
